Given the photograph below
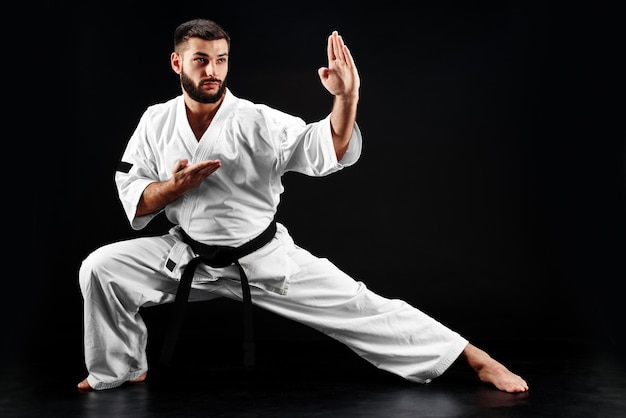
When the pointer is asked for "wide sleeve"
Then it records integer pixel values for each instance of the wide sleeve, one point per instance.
(308, 148)
(136, 170)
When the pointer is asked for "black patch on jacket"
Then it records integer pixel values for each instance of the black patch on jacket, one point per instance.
(124, 167)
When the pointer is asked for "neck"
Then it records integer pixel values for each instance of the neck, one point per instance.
(201, 110)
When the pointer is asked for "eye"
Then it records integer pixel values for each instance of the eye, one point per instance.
(201, 60)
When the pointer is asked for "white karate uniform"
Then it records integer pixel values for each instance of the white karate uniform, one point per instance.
(256, 145)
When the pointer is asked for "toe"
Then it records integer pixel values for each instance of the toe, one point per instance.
(84, 385)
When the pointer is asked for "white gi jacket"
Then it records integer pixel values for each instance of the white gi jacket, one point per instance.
(256, 145)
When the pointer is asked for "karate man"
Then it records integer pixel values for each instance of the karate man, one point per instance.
(213, 163)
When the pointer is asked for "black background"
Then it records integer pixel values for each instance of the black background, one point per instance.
(491, 190)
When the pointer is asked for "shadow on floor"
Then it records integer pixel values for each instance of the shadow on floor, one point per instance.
(324, 379)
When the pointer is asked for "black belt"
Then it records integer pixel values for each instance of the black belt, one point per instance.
(216, 256)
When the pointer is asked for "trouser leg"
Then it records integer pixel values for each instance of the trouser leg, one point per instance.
(115, 281)
(389, 333)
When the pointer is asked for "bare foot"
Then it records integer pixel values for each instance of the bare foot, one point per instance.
(84, 385)
(491, 371)
(140, 378)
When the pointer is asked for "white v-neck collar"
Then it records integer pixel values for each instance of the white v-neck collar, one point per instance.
(202, 148)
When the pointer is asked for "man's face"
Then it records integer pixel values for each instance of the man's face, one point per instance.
(203, 67)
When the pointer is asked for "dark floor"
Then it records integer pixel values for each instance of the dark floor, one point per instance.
(323, 379)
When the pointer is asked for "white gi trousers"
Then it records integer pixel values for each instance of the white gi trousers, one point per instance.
(119, 278)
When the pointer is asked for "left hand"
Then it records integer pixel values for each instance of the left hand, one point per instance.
(341, 77)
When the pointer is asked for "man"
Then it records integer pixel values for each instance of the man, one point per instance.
(213, 163)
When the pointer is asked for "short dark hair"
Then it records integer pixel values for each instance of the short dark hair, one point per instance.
(198, 28)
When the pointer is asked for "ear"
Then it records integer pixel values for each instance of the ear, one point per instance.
(176, 62)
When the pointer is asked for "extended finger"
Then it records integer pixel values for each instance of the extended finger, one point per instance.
(348, 56)
(210, 168)
(203, 164)
(331, 46)
(339, 47)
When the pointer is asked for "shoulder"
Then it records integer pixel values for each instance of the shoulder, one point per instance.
(162, 109)
(248, 111)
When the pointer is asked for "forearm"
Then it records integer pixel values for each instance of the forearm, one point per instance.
(342, 120)
(155, 197)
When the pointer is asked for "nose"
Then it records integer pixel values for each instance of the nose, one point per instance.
(210, 69)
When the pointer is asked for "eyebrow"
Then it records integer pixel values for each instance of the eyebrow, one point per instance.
(204, 54)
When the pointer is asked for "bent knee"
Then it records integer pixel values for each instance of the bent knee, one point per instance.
(96, 265)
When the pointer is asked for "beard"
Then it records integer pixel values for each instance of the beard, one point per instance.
(196, 93)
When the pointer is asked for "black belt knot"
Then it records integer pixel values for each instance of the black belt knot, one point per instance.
(216, 256)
